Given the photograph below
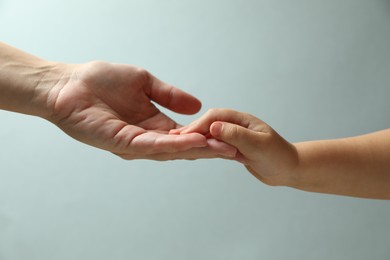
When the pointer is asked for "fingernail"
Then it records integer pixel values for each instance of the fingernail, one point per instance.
(216, 128)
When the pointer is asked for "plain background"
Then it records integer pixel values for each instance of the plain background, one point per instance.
(311, 69)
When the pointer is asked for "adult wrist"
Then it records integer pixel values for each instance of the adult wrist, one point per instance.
(26, 81)
(52, 77)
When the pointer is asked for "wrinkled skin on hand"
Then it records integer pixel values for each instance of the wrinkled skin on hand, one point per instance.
(110, 106)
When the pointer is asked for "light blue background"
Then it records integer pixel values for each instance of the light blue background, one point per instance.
(312, 69)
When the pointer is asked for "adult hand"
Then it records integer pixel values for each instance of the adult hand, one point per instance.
(109, 106)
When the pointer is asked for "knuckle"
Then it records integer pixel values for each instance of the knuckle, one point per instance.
(210, 112)
(213, 111)
(213, 114)
(143, 74)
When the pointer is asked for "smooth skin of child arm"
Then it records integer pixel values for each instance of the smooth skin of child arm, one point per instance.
(357, 166)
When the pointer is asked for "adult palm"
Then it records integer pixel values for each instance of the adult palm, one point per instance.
(110, 106)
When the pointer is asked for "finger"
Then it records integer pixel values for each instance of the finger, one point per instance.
(191, 154)
(178, 130)
(174, 98)
(153, 142)
(222, 148)
(245, 140)
(202, 125)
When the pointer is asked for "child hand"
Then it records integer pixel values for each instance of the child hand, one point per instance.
(268, 156)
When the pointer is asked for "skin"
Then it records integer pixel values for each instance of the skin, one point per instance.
(105, 105)
(110, 106)
(357, 166)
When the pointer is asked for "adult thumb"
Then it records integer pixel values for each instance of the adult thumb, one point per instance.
(240, 137)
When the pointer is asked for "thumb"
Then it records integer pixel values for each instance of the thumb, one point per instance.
(173, 98)
(243, 139)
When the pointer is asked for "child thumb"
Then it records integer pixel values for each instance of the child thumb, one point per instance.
(236, 135)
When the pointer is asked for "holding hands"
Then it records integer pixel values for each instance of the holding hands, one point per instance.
(264, 152)
(111, 107)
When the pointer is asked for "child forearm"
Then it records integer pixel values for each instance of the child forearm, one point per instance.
(357, 166)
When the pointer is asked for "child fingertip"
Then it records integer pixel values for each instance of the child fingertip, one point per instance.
(216, 128)
(174, 132)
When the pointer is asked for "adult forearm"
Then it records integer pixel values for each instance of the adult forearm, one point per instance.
(22, 81)
(358, 166)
